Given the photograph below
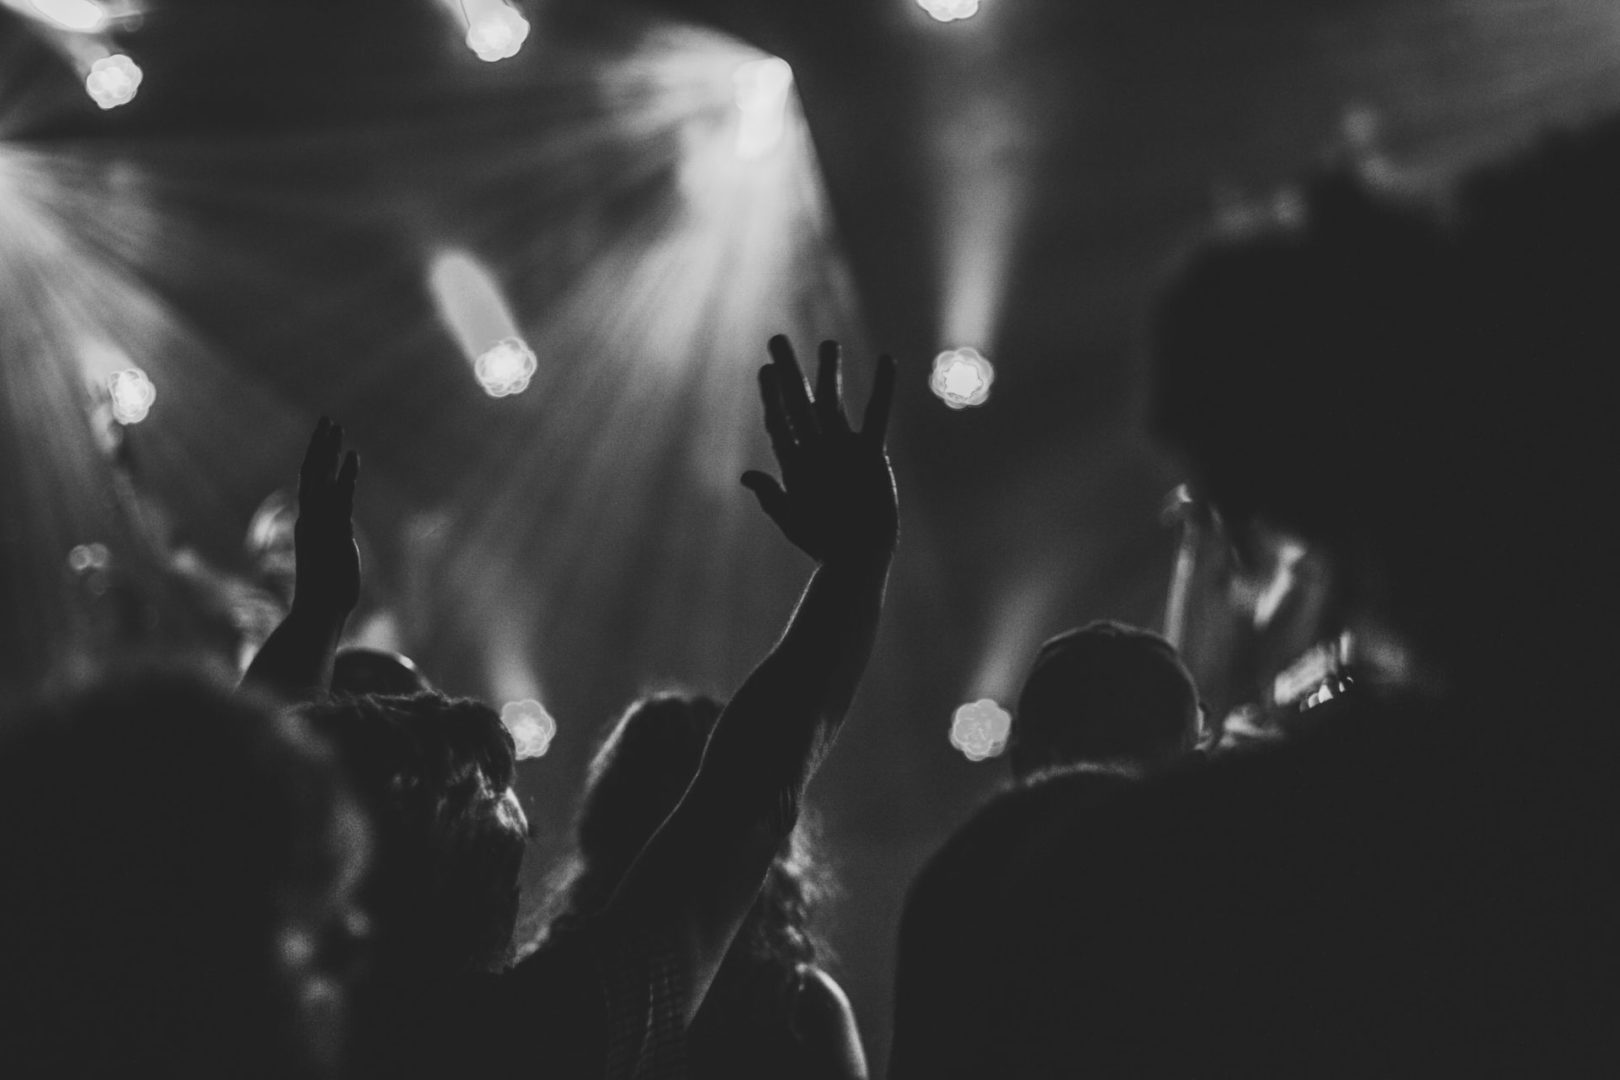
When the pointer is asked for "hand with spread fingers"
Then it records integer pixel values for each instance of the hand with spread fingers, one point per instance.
(836, 498)
(328, 580)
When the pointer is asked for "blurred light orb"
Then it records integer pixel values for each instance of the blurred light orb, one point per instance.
(83, 16)
(950, 10)
(496, 31)
(506, 367)
(762, 88)
(113, 81)
(132, 395)
(89, 557)
(532, 728)
(961, 378)
(980, 729)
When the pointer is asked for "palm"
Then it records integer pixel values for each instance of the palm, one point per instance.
(328, 557)
(836, 498)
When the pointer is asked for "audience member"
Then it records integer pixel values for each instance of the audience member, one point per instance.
(1421, 887)
(1103, 706)
(615, 994)
(772, 1011)
(179, 896)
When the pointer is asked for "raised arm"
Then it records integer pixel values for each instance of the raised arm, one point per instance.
(296, 661)
(697, 878)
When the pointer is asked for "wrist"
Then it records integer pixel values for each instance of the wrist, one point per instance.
(319, 612)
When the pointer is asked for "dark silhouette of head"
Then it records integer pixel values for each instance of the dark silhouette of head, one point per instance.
(177, 860)
(436, 775)
(636, 779)
(357, 671)
(1104, 692)
(1410, 388)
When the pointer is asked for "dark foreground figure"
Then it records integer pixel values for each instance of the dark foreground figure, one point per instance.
(1424, 885)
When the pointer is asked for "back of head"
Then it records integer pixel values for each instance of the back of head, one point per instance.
(1104, 692)
(435, 773)
(1414, 391)
(161, 838)
(635, 780)
(357, 671)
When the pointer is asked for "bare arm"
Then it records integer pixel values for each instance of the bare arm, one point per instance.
(698, 876)
(296, 661)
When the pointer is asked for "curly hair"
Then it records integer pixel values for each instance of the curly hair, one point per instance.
(637, 777)
(434, 773)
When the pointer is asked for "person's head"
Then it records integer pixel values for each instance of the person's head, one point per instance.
(643, 767)
(1103, 692)
(436, 774)
(357, 671)
(180, 866)
(1409, 392)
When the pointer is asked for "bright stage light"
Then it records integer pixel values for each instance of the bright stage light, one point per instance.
(132, 395)
(531, 726)
(979, 729)
(495, 30)
(961, 378)
(113, 81)
(949, 10)
(84, 16)
(762, 95)
(506, 367)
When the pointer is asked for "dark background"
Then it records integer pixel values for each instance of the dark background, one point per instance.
(254, 230)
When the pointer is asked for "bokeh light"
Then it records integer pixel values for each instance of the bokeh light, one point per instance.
(83, 16)
(531, 726)
(961, 378)
(762, 97)
(949, 10)
(495, 30)
(113, 81)
(132, 395)
(506, 367)
(980, 729)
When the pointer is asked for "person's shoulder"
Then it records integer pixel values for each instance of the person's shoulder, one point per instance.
(824, 1020)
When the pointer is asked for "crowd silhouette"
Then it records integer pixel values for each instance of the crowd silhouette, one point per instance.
(1393, 855)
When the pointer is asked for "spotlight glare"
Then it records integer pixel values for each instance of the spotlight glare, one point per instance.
(496, 31)
(83, 16)
(979, 729)
(532, 728)
(961, 378)
(113, 81)
(132, 395)
(762, 88)
(506, 367)
(949, 10)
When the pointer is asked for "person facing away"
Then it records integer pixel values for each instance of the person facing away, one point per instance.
(1103, 706)
(179, 897)
(772, 1011)
(615, 995)
(1422, 886)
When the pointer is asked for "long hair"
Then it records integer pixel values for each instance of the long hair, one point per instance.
(637, 777)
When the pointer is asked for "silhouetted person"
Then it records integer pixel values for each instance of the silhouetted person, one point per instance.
(771, 1011)
(1422, 886)
(1103, 706)
(179, 864)
(615, 994)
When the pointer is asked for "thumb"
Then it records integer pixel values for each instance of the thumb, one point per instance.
(772, 499)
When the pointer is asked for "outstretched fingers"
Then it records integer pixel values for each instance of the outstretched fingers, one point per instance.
(795, 394)
(316, 461)
(776, 419)
(830, 390)
(875, 424)
(347, 475)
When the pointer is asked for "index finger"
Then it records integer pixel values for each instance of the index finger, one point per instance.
(875, 424)
(311, 470)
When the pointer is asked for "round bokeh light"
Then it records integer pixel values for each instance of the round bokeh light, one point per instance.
(980, 729)
(961, 378)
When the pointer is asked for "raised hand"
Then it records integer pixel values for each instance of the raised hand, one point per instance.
(836, 497)
(328, 581)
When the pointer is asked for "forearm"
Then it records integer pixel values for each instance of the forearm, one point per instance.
(701, 872)
(295, 662)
